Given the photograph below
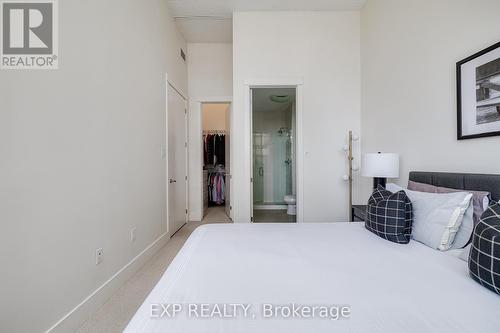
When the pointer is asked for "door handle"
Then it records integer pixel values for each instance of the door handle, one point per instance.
(171, 180)
(261, 171)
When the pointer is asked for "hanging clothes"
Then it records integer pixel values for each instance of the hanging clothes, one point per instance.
(220, 149)
(216, 186)
(208, 149)
(214, 149)
(205, 150)
(215, 139)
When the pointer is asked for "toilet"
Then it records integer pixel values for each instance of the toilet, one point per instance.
(291, 201)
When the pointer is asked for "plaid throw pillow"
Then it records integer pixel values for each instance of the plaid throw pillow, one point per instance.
(389, 215)
(484, 256)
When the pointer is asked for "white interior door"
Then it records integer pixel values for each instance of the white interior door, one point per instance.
(177, 161)
(228, 162)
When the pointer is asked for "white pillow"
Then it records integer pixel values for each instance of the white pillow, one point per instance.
(464, 234)
(486, 203)
(436, 216)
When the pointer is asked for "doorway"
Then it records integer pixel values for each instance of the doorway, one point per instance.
(177, 186)
(274, 152)
(216, 179)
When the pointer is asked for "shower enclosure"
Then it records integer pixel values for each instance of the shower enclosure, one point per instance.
(273, 125)
(272, 167)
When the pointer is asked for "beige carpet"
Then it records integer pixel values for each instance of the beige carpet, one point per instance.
(115, 314)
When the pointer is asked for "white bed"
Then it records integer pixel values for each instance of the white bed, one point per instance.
(389, 287)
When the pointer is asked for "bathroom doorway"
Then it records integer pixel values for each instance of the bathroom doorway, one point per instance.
(274, 152)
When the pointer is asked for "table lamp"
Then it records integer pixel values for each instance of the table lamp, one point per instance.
(380, 166)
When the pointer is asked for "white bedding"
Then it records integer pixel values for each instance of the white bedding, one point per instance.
(389, 287)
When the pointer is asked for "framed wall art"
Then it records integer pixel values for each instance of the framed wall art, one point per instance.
(478, 94)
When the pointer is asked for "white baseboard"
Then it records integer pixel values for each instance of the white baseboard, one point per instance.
(270, 207)
(76, 317)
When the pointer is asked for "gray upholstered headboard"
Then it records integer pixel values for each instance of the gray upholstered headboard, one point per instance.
(460, 181)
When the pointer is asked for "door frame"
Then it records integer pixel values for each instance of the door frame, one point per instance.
(209, 100)
(164, 150)
(298, 85)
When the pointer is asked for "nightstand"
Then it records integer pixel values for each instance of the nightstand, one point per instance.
(358, 213)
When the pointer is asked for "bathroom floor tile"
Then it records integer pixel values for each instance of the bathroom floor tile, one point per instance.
(272, 216)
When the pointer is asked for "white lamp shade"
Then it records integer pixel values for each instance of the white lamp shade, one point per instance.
(380, 165)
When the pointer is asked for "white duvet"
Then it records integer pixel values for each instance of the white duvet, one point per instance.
(387, 287)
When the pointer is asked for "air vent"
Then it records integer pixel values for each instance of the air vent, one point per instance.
(183, 55)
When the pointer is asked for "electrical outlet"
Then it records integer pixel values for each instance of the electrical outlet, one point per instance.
(99, 256)
(132, 234)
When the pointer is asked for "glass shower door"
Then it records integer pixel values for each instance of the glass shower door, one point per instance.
(258, 168)
(277, 160)
(271, 168)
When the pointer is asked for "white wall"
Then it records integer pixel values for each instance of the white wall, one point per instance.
(323, 49)
(210, 73)
(214, 116)
(80, 160)
(409, 51)
(210, 70)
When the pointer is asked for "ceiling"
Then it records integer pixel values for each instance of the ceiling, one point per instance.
(210, 21)
(261, 100)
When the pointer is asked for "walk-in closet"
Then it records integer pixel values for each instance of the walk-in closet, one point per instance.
(216, 152)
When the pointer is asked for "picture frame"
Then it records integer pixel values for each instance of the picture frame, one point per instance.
(478, 94)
